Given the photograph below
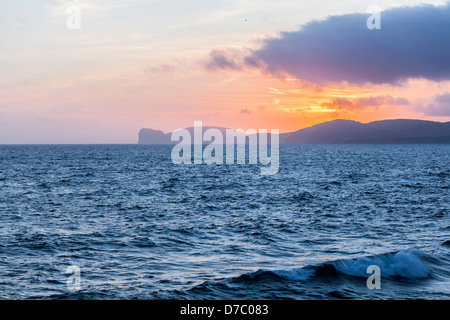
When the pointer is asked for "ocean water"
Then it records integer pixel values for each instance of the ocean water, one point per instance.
(140, 227)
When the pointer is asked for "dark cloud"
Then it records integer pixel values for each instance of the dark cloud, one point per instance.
(223, 59)
(362, 103)
(443, 98)
(440, 106)
(413, 42)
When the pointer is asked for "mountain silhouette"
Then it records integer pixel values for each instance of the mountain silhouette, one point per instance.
(344, 132)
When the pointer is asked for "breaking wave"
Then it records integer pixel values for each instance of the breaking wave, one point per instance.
(403, 264)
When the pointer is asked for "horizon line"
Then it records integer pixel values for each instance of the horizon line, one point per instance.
(340, 119)
(133, 143)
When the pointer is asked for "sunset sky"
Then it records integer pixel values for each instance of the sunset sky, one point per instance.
(236, 63)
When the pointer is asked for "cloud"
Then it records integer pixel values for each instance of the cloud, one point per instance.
(223, 59)
(362, 103)
(440, 106)
(246, 111)
(413, 42)
(161, 69)
(273, 90)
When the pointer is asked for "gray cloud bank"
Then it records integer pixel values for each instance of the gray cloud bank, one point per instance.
(439, 107)
(413, 42)
(362, 103)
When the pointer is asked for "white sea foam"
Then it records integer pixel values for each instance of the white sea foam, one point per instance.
(406, 264)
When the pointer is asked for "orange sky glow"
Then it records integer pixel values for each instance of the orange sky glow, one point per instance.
(125, 70)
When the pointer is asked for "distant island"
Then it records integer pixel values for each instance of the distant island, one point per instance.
(400, 131)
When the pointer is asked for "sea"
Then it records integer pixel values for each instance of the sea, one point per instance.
(124, 222)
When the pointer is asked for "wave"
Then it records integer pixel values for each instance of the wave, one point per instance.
(403, 264)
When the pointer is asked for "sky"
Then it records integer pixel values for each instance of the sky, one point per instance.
(259, 64)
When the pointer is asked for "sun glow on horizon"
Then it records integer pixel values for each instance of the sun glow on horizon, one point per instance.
(123, 71)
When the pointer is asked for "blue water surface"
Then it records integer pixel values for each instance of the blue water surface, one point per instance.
(140, 227)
